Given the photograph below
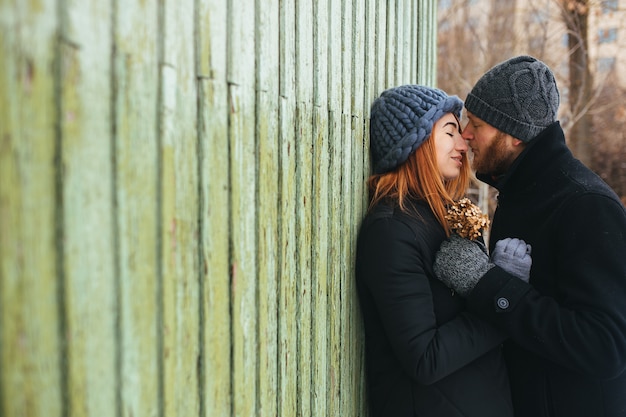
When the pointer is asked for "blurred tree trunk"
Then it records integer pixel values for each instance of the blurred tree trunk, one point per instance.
(576, 16)
(501, 40)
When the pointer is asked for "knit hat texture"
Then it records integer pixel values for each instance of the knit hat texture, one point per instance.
(402, 118)
(518, 96)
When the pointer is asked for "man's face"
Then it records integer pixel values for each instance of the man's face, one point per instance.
(493, 151)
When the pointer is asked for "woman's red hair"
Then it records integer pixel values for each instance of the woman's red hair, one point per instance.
(419, 178)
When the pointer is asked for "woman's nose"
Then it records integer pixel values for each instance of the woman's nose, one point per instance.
(461, 144)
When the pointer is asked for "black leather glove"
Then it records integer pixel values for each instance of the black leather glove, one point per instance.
(513, 255)
(460, 263)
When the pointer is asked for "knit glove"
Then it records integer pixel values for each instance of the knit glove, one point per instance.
(513, 255)
(460, 263)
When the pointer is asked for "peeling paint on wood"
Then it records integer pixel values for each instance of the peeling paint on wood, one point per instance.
(181, 184)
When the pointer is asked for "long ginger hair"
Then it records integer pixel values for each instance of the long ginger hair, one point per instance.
(419, 178)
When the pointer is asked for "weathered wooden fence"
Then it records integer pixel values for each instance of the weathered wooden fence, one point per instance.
(181, 183)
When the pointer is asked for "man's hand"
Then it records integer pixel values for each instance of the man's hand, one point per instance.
(513, 255)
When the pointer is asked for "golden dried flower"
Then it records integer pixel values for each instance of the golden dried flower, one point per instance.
(466, 219)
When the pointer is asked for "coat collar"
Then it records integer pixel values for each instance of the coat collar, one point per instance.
(531, 164)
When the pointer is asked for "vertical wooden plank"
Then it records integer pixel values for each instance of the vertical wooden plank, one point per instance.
(241, 77)
(370, 87)
(304, 145)
(407, 42)
(358, 89)
(30, 363)
(358, 61)
(370, 93)
(135, 98)
(288, 348)
(179, 222)
(381, 48)
(391, 49)
(267, 16)
(400, 49)
(335, 81)
(362, 399)
(427, 42)
(320, 208)
(87, 208)
(346, 206)
(413, 44)
(214, 214)
(369, 40)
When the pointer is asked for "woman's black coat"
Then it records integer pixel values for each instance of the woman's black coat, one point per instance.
(567, 356)
(425, 354)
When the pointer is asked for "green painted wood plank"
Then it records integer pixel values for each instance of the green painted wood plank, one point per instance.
(427, 43)
(241, 77)
(347, 389)
(303, 239)
(212, 46)
(335, 197)
(288, 348)
(345, 274)
(370, 86)
(391, 48)
(304, 145)
(135, 95)
(380, 49)
(398, 39)
(214, 168)
(288, 302)
(320, 264)
(267, 213)
(365, 170)
(359, 74)
(320, 209)
(335, 262)
(29, 335)
(88, 222)
(358, 190)
(370, 91)
(266, 255)
(360, 369)
(179, 222)
(414, 51)
(216, 295)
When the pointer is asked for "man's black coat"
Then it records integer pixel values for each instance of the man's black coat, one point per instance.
(567, 350)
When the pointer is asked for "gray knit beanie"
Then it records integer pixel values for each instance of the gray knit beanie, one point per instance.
(518, 96)
(402, 119)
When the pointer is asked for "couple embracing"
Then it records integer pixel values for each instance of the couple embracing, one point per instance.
(535, 324)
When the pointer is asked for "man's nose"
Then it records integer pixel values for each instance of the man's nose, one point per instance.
(467, 133)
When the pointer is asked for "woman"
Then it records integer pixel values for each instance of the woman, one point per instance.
(426, 356)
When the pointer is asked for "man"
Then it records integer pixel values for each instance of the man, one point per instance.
(566, 351)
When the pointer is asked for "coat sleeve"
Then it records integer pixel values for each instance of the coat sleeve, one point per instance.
(582, 324)
(391, 267)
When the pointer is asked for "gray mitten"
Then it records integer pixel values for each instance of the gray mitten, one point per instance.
(461, 263)
(513, 255)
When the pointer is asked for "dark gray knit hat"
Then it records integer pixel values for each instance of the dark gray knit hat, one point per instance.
(402, 119)
(518, 96)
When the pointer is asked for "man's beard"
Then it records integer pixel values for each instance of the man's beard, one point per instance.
(494, 160)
